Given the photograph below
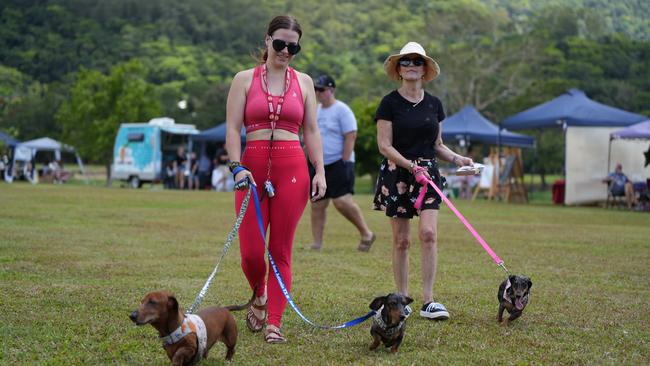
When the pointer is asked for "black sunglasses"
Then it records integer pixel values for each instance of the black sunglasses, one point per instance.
(320, 90)
(279, 45)
(408, 62)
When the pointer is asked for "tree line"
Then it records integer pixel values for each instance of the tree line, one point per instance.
(76, 69)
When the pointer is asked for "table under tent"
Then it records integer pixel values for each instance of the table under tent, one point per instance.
(468, 126)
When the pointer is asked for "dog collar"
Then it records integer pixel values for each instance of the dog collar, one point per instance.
(191, 324)
(379, 322)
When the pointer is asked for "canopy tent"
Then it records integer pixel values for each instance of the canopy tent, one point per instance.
(572, 108)
(8, 140)
(470, 125)
(26, 151)
(637, 131)
(216, 134)
(587, 126)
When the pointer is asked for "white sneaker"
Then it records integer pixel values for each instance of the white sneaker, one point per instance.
(407, 311)
(434, 310)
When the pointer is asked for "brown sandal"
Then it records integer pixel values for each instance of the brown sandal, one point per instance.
(365, 245)
(272, 335)
(254, 323)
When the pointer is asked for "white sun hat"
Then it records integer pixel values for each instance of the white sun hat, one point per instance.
(432, 70)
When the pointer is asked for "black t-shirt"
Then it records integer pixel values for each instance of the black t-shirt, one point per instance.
(415, 129)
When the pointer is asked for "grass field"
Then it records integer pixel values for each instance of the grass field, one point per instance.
(75, 260)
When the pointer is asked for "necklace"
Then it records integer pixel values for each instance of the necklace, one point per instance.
(421, 99)
(274, 114)
(416, 103)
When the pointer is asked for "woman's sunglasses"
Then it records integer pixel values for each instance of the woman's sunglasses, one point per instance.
(279, 45)
(411, 62)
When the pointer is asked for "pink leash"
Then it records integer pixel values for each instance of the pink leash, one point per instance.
(422, 179)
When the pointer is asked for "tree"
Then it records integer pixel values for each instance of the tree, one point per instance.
(99, 103)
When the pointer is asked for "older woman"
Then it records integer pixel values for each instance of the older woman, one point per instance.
(409, 137)
(273, 102)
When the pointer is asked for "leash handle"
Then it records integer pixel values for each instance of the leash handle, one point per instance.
(283, 287)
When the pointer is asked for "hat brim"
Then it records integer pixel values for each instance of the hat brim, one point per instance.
(432, 69)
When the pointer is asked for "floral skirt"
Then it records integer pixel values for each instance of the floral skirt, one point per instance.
(397, 189)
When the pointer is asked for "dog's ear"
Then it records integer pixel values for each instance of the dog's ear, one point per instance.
(512, 278)
(407, 300)
(377, 302)
(172, 304)
(530, 283)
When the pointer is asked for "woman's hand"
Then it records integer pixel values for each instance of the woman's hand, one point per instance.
(421, 174)
(462, 160)
(318, 187)
(241, 182)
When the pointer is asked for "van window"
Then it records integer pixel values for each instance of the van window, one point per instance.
(135, 137)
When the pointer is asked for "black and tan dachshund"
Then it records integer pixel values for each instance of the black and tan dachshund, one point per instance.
(388, 324)
(513, 296)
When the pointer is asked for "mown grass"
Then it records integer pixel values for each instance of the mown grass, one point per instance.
(75, 260)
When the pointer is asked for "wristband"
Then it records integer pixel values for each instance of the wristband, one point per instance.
(237, 169)
(232, 165)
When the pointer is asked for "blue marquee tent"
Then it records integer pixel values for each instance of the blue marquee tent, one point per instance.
(637, 131)
(216, 134)
(8, 140)
(572, 108)
(470, 125)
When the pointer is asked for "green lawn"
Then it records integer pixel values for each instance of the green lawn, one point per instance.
(75, 260)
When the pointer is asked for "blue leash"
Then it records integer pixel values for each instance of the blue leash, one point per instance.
(348, 324)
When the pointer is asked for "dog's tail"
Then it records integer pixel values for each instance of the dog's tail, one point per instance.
(244, 306)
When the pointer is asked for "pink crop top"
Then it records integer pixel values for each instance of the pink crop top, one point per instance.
(256, 113)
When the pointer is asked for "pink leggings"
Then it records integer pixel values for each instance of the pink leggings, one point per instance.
(290, 179)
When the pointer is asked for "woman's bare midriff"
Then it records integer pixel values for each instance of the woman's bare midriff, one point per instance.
(278, 135)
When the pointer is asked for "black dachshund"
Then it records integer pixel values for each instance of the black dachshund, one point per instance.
(513, 296)
(388, 324)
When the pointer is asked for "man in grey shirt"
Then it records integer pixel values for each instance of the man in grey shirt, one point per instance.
(338, 129)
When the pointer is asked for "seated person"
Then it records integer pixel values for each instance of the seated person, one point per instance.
(169, 175)
(620, 185)
(222, 180)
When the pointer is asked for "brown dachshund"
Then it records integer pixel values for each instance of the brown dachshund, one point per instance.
(388, 324)
(187, 338)
(513, 296)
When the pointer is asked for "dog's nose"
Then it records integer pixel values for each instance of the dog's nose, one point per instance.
(134, 316)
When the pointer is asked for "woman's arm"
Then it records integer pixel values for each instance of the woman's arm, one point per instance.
(235, 118)
(311, 135)
(445, 153)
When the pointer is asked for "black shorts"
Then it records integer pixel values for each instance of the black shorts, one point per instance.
(397, 190)
(339, 177)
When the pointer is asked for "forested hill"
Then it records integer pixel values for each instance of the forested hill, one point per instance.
(498, 55)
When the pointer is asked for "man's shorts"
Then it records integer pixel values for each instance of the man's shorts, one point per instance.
(339, 177)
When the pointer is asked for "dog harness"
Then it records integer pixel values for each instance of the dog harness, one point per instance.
(191, 324)
(524, 299)
(379, 322)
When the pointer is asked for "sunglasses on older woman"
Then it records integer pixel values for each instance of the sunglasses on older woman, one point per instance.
(279, 45)
(411, 62)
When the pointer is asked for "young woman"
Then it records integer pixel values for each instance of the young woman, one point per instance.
(273, 101)
(409, 137)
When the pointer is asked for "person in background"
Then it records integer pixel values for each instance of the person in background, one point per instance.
(338, 130)
(409, 130)
(222, 180)
(179, 167)
(273, 102)
(193, 178)
(621, 185)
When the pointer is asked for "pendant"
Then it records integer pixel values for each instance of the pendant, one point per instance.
(269, 188)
